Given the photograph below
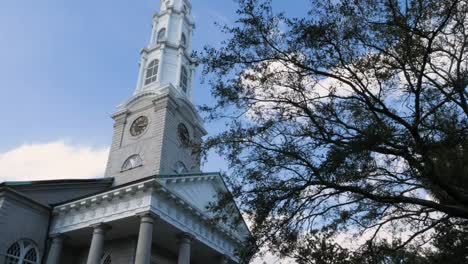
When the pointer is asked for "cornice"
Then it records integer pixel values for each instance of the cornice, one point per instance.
(172, 10)
(161, 45)
(106, 195)
(156, 185)
(23, 199)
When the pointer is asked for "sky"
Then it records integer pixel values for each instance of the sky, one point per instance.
(66, 65)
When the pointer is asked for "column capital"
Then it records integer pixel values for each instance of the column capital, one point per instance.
(148, 216)
(185, 238)
(58, 237)
(100, 227)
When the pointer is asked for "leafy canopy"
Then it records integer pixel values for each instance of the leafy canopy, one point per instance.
(350, 120)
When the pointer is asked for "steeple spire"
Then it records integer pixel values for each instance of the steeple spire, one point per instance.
(156, 128)
(166, 61)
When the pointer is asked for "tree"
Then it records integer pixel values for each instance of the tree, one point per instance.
(352, 119)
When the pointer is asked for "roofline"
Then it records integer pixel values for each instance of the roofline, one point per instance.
(237, 206)
(185, 175)
(156, 176)
(7, 190)
(59, 181)
(106, 190)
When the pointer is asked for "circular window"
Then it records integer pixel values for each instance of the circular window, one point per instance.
(139, 126)
(184, 136)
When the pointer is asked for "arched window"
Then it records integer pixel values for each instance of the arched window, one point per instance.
(183, 40)
(184, 79)
(180, 168)
(162, 35)
(132, 162)
(106, 259)
(152, 72)
(22, 252)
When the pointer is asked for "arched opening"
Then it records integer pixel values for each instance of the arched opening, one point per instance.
(184, 79)
(183, 40)
(180, 168)
(22, 252)
(162, 35)
(152, 72)
(132, 162)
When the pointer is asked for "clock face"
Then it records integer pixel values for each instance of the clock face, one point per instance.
(139, 126)
(184, 136)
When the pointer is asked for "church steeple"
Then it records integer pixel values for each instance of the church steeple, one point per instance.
(166, 60)
(156, 128)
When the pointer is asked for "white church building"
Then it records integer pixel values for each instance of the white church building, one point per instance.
(151, 206)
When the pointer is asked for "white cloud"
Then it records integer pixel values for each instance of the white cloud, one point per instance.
(54, 160)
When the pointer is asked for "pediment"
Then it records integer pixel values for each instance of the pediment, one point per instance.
(200, 191)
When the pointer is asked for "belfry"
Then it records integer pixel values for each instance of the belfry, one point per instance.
(151, 206)
(157, 128)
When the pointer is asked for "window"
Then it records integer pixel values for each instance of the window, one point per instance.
(152, 72)
(132, 162)
(106, 259)
(23, 251)
(183, 40)
(180, 168)
(162, 35)
(184, 79)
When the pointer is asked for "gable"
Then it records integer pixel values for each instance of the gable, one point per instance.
(202, 190)
(198, 191)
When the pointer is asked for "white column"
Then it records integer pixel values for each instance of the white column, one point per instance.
(179, 69)
(184, 248)
(141, 73)
(161, 64)
(96, 249)
(181, 28)
(170, 13)
(145, 238)
(189, 39)
(154, 30)
(191, 81)
(55, 250)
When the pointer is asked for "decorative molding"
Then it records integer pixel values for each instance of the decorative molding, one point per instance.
(172, 10)
(147, 197)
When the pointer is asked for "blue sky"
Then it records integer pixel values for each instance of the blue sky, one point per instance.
(66, 65)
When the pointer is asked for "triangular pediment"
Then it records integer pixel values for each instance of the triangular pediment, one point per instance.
(200, 191)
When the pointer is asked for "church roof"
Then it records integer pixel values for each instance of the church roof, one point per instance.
(60, 181)
(55, 191)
